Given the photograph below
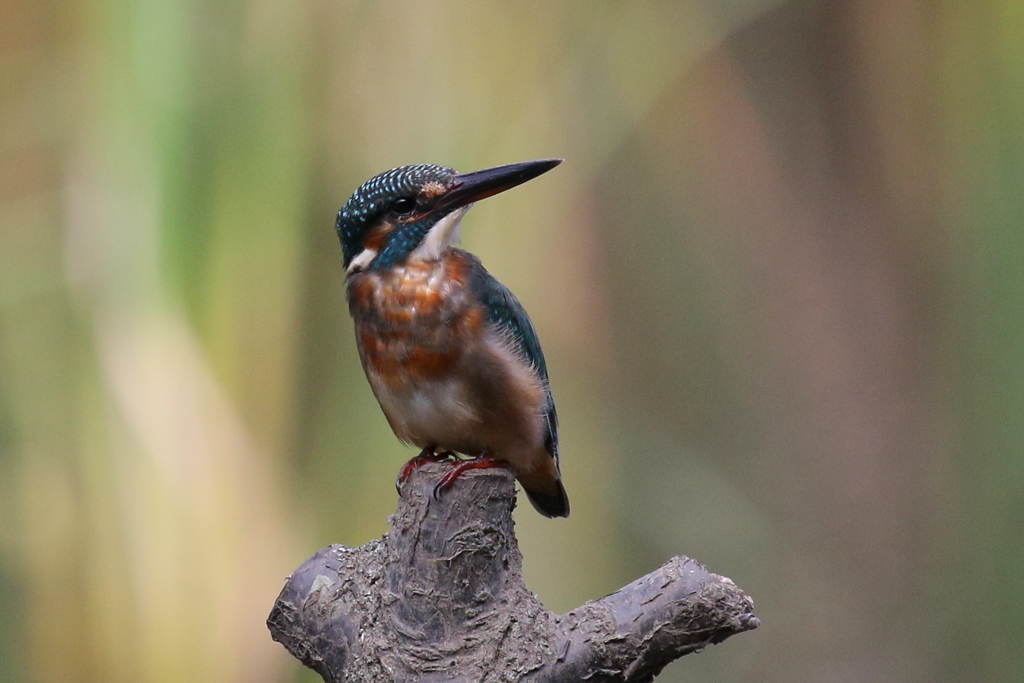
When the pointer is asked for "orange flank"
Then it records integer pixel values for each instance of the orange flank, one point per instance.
(457, 267)
(425, 363)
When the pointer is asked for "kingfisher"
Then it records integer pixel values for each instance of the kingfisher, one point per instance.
(450, 353)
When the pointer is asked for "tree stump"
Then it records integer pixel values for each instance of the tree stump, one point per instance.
(441, 598)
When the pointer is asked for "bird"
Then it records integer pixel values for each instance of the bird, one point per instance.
(450, 354)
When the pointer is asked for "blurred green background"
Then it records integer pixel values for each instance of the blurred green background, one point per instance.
(778, 280)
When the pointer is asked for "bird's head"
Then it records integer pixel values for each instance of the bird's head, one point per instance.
(414, 211)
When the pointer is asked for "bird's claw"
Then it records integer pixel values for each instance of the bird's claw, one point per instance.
(482, 462)
(425, 456)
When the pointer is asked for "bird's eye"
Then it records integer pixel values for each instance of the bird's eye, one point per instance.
(403, 205)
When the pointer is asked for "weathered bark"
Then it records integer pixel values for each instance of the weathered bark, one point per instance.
(441, 598)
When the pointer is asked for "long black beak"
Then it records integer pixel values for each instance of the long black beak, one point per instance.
(471, 187)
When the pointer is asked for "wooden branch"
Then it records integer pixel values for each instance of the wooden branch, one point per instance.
(441, 598)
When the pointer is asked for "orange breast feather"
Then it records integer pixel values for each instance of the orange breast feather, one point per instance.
(413, 321)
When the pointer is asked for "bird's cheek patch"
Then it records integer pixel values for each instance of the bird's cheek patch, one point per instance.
(377, 236)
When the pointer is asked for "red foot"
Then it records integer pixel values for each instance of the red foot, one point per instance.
(425, 456)
(483, 462)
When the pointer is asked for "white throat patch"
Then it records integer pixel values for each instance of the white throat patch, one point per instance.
(440, 237)
(361, 261)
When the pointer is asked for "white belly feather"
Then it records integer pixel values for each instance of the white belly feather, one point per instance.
(428, 412)
(504, 416)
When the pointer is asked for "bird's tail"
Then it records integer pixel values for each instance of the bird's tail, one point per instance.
(548, 498)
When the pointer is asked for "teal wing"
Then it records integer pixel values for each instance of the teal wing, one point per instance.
(505, 312)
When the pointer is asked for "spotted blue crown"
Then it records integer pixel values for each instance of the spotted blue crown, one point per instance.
(373, 198)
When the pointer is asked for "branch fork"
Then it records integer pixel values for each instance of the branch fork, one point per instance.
(441, 597)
